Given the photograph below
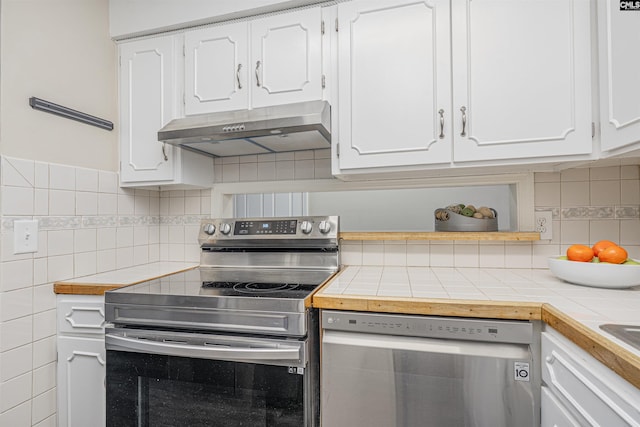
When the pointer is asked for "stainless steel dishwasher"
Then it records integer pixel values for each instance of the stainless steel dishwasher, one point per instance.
(404, 370)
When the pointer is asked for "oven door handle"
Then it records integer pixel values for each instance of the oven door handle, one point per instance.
(215, 352)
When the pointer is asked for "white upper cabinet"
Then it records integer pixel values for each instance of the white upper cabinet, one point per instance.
(286, 58)
(149, 71)
(435, 83)
(216, 64)
(394, 83)
(147, 102)
(522, 79)
(619, 52)
(267, 61)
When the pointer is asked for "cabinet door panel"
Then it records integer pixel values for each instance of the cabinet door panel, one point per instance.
(216, 69)
(394, 78)
(554, 413)
(147, 102)
(81, 375)
(619, 71)
(286, 64)
(521, 71)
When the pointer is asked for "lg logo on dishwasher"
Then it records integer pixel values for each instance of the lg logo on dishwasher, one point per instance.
(629, 5)
(521, 371)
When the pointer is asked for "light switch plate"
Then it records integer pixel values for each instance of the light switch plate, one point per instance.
(25, 236)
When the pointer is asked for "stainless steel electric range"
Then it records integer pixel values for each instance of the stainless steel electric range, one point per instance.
(233, 342)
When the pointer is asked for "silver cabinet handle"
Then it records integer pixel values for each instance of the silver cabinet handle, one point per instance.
(464, 121)
(441, 113)
(238, 76)
(257, 75)
(164, 152)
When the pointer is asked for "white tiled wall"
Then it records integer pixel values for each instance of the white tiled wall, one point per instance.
(87, 225)
(588, 205)
(310, 164)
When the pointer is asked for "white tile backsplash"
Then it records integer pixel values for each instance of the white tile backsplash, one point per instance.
(107, 182)
(62, 202)
(62, 177)
(15, 304)
(60, 242)
(44, 324)
(17, 172)
(15, 391)
(16, 333)
(44, 351)
(86, 203)
(17, 201)
(15, 362)
(87, 180)
(16, 275)
(44, 378)
(43, 406)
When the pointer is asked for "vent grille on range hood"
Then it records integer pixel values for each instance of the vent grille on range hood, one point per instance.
(277, 129)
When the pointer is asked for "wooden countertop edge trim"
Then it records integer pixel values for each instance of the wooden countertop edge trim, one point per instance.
(431, 306)
(618, 359)
(79, 288)
(440, 235)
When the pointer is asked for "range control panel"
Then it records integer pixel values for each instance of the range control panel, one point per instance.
(490, 330)
(253, 228)
(215, 231)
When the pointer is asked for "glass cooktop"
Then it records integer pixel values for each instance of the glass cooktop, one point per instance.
(233, 282)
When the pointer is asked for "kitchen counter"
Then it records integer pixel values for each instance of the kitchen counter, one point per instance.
(97, 284)
(523, 294)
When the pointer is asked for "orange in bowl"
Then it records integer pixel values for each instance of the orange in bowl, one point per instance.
(602, 244)
(613, 254)
(580, 253)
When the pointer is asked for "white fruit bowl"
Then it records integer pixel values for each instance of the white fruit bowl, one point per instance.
(596, 274)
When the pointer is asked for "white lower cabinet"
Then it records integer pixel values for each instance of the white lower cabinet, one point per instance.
(578, 390)
(81, 361)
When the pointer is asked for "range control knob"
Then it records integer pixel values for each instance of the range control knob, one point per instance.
(324, 227)
(225, 228)
(209, 229)
(306, 227)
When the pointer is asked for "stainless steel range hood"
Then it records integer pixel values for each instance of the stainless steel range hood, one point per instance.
(277, 129)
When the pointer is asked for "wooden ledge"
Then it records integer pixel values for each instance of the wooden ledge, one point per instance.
(440, 235)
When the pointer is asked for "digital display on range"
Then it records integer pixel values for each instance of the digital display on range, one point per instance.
(252, 228)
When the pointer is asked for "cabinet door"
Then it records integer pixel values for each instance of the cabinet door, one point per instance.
(521, 79)
(619, 36)
(286, 58)
(394, 74)
(553, 413)
(216, 67)
(81, 375)
(147, 102)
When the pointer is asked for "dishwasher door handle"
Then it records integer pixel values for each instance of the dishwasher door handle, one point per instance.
(212, 351)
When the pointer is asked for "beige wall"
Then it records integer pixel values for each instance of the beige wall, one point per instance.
(60, 51)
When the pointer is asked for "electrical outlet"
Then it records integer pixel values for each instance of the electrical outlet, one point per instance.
(544, 224)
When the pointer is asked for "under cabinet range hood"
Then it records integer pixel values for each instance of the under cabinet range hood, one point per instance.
(276, 129)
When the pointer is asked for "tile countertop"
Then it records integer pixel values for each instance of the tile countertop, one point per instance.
(97, 284)
(576, 311)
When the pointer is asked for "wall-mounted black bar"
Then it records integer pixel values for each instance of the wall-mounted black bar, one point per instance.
(50, 107)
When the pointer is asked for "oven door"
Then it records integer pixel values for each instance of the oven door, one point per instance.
(161, 378)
